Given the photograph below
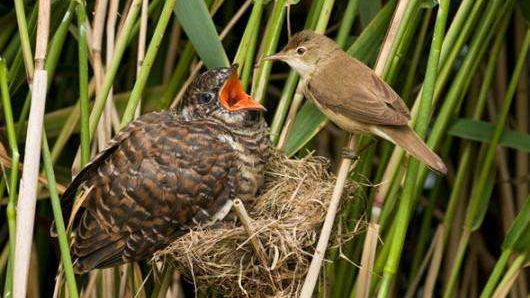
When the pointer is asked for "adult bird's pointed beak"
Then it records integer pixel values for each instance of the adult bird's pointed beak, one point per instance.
(277, 56)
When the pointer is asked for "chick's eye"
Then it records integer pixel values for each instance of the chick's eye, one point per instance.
(205, 97)
(300, 51)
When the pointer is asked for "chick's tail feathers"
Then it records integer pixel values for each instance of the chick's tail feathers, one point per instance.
(407, 139)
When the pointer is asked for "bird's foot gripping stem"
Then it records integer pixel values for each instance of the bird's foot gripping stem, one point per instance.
(354, 154)
(349, 153)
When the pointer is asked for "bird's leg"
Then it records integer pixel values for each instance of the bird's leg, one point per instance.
(353, 154)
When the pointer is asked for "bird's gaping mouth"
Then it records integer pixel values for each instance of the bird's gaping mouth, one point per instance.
(234, 98)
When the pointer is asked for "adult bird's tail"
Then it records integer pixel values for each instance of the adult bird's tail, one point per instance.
(407, 139)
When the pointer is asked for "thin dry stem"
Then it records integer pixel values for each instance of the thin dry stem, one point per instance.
(5, 161)
(28, 186)
(171, 56)
(434, 267)
(43, 30)
(142, 38)
(367, 261)
(27, 197)
(246, 221)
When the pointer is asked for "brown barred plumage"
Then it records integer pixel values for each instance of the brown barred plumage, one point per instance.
(165, 173)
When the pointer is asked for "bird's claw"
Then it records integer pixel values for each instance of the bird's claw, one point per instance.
(354, 154)
(349, 153)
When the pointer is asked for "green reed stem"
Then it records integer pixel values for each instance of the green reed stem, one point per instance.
(251, 31)
(149, 59)
(325, 14)
(15, 157)
(409, 81)
(472, 222)
(249, 65)
(496, 274)
(464, 77)
(454, 45)
(426, 101)
(347, 21)
(112, 67)
(24, 39)
(425, 228)
(512, 272)
(465, 158)
(270, 42)
(59, 222)
(177, 77)
(290, 84)
(83, 82)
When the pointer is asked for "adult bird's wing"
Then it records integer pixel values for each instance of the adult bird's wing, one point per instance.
(348, 87)
(163, 178)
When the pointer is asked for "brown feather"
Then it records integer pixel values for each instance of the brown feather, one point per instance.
(357, 93)
(407, 139)
(162, 177)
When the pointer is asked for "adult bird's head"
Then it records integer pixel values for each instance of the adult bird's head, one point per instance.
(306, 51)
(217, 93)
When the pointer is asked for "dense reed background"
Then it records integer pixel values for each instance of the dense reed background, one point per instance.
(461, 65)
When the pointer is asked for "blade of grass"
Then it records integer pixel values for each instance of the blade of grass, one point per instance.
(200, 29)
(482, 131)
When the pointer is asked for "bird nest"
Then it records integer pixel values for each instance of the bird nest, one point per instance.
(270, 256)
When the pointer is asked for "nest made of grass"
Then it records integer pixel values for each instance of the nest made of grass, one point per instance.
(286, 218)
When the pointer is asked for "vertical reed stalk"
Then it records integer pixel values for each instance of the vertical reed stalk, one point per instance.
(150, 56)
(59, 222)
(477, 195)
(113, 66)
(425, 106)
(28, 185)
(13, 182)
(83, 82)
(24, 39)
(270, 42)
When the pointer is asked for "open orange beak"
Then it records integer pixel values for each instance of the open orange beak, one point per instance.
(234, 98)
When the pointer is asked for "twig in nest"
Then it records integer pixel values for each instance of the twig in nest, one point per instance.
(242, 213)
(246, 221)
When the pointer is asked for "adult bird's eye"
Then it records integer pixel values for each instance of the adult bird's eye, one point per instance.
(205, 97)
(300, 51)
